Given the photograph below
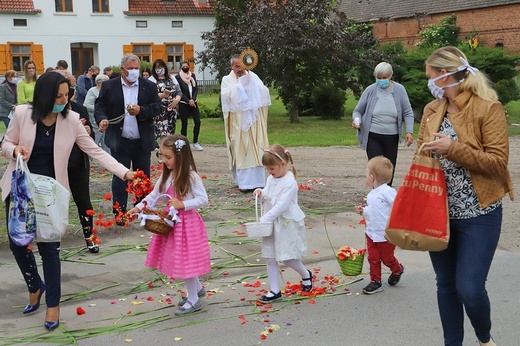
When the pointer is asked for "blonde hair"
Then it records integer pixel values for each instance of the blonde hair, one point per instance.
(381, 168)
(184, 164)
(274, 155)
(448, 58)
(26, 68)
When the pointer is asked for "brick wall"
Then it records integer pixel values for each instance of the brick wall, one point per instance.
(498, 25)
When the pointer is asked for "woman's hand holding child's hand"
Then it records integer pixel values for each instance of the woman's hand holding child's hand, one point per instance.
(177, 204)
(358, 209)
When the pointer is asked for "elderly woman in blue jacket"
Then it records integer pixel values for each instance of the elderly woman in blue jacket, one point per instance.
(380, 114)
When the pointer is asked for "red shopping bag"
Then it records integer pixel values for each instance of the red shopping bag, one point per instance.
(419, 218)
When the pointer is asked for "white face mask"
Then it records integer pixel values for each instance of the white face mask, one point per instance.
(133, 75)
(437, 91)
(159, 71)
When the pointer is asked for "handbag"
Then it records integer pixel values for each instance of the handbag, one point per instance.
(419, 217)
(51, 203)
(22, 215)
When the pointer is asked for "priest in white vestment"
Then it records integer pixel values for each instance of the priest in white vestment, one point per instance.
(245, 99)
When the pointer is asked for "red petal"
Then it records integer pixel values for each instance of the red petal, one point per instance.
(80, 310)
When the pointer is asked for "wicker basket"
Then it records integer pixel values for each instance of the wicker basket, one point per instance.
(352, 267)
(159, 225)
(259, 229)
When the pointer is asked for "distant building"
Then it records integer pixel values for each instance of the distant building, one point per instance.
(496, 22)
(99, 32)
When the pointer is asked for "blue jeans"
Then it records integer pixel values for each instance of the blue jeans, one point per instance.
(130, 152)
(50, 254)
(462, 271)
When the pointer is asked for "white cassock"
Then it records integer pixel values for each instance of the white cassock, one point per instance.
(244, 105)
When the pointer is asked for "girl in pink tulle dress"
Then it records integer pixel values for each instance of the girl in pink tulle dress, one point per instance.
(184, 252)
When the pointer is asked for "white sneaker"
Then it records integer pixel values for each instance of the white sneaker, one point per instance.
(196, 146)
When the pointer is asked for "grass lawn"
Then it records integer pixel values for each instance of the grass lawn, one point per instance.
(310, 131)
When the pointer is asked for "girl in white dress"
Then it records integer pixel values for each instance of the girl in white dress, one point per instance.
(288, 242)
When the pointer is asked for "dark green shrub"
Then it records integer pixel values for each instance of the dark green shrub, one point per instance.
(329, 102)
(207, 112)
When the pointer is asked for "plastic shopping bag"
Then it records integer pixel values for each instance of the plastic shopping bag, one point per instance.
(51, 202)
(419, 218)
(22, 216)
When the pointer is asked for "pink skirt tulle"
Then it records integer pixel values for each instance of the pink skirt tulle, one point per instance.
(184, 252)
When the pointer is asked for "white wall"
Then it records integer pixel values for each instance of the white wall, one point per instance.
(57, 31)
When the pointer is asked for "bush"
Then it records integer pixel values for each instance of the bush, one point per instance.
(329, 102)
(207, 112)
(507, 90)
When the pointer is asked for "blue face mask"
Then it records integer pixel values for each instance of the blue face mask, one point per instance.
(383, 83)
(58, 108)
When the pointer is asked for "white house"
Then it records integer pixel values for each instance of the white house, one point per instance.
(100, 32)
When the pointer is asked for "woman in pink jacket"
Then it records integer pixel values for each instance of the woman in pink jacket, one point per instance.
(44, 133)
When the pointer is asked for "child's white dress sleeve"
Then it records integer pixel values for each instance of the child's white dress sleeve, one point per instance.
(282, 199)
(197, 197)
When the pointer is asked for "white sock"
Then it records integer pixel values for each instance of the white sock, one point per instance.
(273, 273)
(298, 266)
(191, 286)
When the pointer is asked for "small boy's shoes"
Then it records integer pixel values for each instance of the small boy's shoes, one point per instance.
(373, 287)
(393, 279)
(266, 298)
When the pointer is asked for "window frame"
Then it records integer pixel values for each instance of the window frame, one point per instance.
(142, 55)
(64, 4)
(100, 6)
(23, 56)
(178, 22)
(19, 22)
(173, 61)
(138, 26)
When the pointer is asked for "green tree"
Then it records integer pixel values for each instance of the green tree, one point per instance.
(301, 44)
(409, 64)
(445, 34)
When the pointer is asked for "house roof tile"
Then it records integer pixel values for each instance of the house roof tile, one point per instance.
(18, 6)
(170, 7)
(366, 10)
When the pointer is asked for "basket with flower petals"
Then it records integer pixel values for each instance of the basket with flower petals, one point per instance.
(350, 260)
(158, 220)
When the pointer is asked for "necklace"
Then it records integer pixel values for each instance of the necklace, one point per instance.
(48, 129)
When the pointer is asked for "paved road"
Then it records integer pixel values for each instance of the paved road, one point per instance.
(402, 315)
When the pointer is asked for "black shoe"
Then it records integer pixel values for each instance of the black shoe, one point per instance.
(93, 248)
(307, 288)
(247, 190)
(393, 279)
(373, 287)
(266, 299)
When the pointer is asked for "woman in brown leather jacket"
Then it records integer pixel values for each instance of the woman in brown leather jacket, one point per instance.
(466, 129)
